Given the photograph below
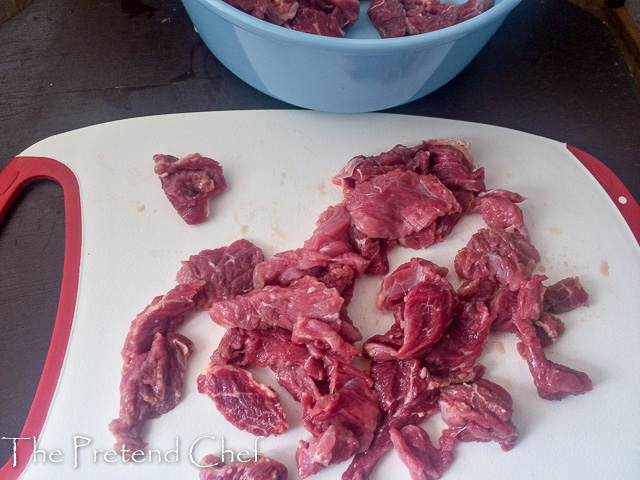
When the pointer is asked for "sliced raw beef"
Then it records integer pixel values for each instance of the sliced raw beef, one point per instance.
(151, 385)
(164, 315)
(553, 381)
(424, 461)
(342, 423)
(422, 313)
(399, 203)
(244, 402)
(453, 357)
(480, 412)
(509, 257)
(499, 210)
(452, 162)
(361, 168)
(282, 269)
(397, 18)
(258, 468)
(407, 395)
(408, 275)
(307, 305)
(190, 183)
(565, 295)
(276, 12)
(335, 236)
(317, 22)
(227, 271)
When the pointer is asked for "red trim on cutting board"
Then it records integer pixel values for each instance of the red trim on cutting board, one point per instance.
(13, 179)
(616, 190)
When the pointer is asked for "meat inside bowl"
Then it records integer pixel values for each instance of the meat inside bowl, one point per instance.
(358, 73)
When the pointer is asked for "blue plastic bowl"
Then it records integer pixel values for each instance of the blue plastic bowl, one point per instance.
(359, 73)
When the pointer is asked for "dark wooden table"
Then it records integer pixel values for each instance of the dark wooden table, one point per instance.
(552, 70)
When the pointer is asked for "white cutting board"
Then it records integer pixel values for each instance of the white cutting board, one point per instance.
(278, 165)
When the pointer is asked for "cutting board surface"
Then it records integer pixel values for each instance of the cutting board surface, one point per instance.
(278, 165)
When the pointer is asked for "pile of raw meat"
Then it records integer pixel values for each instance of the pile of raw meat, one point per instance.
(289, 313)
(392, 18)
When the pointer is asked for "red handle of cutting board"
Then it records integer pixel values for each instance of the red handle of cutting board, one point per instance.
(13, 179)
(616, 190)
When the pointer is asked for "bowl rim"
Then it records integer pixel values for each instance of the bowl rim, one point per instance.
(357, 46)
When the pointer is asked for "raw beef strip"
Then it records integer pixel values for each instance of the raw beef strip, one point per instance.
(399, 203)
(296, 308)
(565, 295)
(548, 328)
(339, 272)
(335, 235)
(480, 412)
(301, 369)
(397, 18)
(553, 381)
(317, 22)
(407, 396)
(227, 271)
(189, 184)
(244, 402)
(408, 275)
(164, 315)
(424, 461)
(342, 424)
(258, 468)
(150, 386)
(452, 162)
(509, 257)
(453, 357)
(389, 18)
(427, 309)
(360, 169)
(276, 12)
(499, 210)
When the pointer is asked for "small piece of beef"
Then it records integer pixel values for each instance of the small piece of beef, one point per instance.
(389, 18)
(317, 22)
(400, 384)
(342, 424)
(453, 357)
(227, 271)
(553, 381)
(165, 314)
(422, 318)
(244, 402)
(257, 468)
(190, 183)
(399, 203)
(565, 295)
(424, 461)
(499, 210)
(395, 287)
(407, 396)
(284, 268)
(397, 18)
(452, 162)
(271, 306)
(300, 369)
(151, 385)
(480, 412)
(509, 257)
(548, 328)
(277, 12)
(360, 169)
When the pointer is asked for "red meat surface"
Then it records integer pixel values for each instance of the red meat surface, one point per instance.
(244, 402)
(190, 183)
(226, 271)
